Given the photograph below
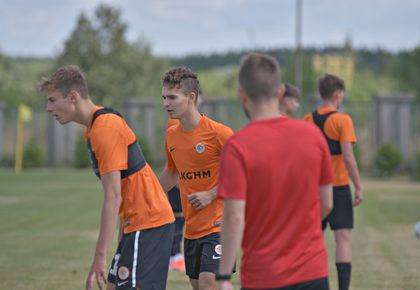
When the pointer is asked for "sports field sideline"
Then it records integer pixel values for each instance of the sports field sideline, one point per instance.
(49, 221)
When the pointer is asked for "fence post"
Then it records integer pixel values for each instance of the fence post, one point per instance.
(393, 121)
(1, 129)
(140, 115)
(61, 143)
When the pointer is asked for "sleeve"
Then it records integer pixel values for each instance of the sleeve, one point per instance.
(232, 175)
(169, 161)
(308, 118)
(347, 133)
(327, 173)
(110, 148)
(223, 135)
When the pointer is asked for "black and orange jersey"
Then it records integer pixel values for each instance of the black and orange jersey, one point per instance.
(195, 156)
(337, 127)
(144, 205)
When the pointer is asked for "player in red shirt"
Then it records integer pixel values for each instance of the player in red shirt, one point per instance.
(275, 178)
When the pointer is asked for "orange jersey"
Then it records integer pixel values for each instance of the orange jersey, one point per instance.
(195, 156)
(144, 205)
(171, 122)
(338, 127)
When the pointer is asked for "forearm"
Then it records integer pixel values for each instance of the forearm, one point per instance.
(232, 232)
(326, 200)
(168, 179)
(353, 171)
(109, 217)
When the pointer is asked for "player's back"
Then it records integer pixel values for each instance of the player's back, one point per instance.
(283, 159)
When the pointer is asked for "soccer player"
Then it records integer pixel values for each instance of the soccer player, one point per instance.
(131, 189)
(177, 261)
(193, 148)
(290, 102)
(275, 179)
(338, 130)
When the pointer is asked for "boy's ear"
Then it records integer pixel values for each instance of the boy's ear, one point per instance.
(280, 92)
(74, 96)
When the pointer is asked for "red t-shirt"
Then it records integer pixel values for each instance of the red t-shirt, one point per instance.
(277, 166)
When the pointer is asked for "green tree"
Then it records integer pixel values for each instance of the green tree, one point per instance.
(115, 68)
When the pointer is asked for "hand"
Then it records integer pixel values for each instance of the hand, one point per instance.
(225, 285)
(358, 197)
(97, 272)
(201, 199)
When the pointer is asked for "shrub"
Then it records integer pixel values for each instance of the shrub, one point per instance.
(33, 157)
(387, 160)
(81, 157)
(145, 148)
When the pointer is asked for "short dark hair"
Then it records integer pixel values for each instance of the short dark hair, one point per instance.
(182, 78)
(259, 76)
(291, 92)
(65, 79)
(328, 84)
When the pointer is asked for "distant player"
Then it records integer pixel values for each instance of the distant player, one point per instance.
(338, 130)
(193, 148)
(275, 178)
(131, 189)
(290, 101)
(177, 261)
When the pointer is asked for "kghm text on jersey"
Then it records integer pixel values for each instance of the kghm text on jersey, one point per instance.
(195, 175)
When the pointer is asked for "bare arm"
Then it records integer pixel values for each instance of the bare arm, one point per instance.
(202, 199)
(168, 179)
(326, 200)
(231, 236)
(351, 165)
(111, 183)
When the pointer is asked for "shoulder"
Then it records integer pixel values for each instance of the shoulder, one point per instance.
(109, 121)
(308, 117)
(218, 128)
(341, 119)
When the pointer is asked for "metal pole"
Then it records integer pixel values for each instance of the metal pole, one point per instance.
(298, 50)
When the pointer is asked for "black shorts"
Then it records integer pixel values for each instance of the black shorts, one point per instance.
(142, 259)
(341, 216)
(175, 199)
(318, 284)
(202, 255)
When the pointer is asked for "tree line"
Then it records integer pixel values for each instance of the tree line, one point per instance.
(117, 69)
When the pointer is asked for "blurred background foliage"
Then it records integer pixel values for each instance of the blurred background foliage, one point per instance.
(117, 69)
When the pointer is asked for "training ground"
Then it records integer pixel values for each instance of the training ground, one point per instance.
(49, 225)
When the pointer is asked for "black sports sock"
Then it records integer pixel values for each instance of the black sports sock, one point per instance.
(344, 273)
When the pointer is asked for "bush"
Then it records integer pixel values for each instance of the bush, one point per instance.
(81, 157)
(387, 160)
(33, 157)
(145, 148)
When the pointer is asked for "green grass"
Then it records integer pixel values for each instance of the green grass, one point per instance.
(49, 223)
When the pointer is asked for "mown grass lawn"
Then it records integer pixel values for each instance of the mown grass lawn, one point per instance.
(49, 224)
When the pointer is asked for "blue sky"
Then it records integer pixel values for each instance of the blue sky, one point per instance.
(179, 27)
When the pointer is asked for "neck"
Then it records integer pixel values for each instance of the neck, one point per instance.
(329, 104)
(265, 110)
(85, 109)
(190, 120)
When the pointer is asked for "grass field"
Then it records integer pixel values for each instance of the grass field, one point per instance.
(49, 221)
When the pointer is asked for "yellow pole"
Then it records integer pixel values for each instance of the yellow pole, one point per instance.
(19, 142)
